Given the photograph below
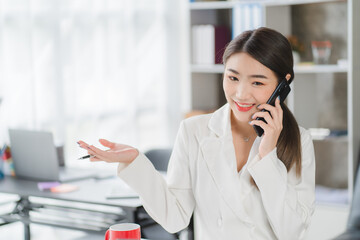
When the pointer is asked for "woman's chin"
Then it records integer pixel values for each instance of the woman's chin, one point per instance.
(241, 117)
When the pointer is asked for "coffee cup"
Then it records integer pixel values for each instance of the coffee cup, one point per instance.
(123, 231)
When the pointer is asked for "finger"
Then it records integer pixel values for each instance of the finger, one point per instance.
(277, 102)
(268, 107)
(279, 109)
(82, 143)
(95, 151)
(95, 159)
(266, 115)
(107, 156)
(260, 123)
(278, 105)
(107, 143)
(275, 111)
(90, 152)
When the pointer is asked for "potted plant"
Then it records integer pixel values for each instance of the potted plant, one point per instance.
(297, 48)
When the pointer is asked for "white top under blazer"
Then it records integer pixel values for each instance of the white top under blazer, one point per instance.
(203, 180)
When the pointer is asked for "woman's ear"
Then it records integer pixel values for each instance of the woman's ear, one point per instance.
(288, 76)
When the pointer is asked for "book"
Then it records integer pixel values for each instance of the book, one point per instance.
(209, 43)
(246, 16)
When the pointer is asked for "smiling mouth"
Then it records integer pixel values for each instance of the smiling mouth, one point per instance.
(244, 107)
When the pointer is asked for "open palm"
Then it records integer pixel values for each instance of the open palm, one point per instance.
(116, 153)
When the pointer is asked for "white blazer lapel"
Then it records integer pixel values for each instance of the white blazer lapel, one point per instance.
(219, 155)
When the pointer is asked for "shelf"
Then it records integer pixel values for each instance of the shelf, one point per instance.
(295, 2)
(231, 4)
(211, 5)
(216, 68)
(331, 68)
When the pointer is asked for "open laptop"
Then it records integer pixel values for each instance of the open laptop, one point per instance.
(35, 157)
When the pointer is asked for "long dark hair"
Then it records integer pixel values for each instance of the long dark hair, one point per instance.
(273, 50)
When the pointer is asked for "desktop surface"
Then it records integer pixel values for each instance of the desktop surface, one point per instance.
(89, 191)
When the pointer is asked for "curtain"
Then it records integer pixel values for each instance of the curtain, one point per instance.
(93, 69)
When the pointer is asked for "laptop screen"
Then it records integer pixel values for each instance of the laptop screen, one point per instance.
(34, 154)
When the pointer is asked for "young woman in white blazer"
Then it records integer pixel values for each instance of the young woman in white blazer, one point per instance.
(237, 185)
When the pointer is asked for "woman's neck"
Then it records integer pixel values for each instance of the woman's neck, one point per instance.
(242, 128)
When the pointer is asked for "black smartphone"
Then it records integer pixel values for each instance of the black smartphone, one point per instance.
(281, 90)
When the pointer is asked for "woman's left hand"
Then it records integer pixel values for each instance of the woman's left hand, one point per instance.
(272, 128)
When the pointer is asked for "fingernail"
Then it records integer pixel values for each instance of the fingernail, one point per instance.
(258, 105)
(250, 122)
(278, 97)
(78, 143)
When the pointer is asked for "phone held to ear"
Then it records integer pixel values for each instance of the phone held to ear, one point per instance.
(281, 90)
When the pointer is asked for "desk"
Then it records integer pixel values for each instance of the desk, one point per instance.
(35, 206)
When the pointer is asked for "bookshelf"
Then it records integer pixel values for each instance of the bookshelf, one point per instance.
(310, 80)
(329, 68)
(230, 4)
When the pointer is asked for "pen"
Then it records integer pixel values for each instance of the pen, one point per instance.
(85, 157)
(88, 156)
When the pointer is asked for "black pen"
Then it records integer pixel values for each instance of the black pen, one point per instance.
(89, 156)
(86, 157)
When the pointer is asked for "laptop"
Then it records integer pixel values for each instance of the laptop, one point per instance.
(35, 157)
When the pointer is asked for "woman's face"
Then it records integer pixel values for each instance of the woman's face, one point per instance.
(247, 83)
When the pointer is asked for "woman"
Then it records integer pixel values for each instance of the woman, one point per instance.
(238, 185)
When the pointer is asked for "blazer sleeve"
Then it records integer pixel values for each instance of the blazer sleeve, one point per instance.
(171, 202)
(288, 201)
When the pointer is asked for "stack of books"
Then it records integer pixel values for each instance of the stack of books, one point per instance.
(246, 17)
(209, 43)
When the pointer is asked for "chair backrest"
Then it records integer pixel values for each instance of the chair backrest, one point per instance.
(354, 217)
(159, 158)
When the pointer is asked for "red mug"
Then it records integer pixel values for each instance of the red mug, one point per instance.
(123, 231)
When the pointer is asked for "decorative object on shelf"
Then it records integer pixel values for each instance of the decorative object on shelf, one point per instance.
(297, 48)
(321, 51)
(7, 162)
(296, 57)
(1, 163)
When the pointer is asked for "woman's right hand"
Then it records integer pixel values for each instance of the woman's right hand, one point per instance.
(116, 152)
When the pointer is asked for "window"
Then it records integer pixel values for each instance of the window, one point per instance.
(91, 69)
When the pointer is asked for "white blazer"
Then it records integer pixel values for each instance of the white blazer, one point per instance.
(202, 179)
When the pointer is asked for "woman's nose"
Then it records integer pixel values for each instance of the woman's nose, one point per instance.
(242, 91)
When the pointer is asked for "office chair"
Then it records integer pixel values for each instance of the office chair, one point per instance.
(353, 224)
(159, 158)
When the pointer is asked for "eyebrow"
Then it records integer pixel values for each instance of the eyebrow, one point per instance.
(258, 76)
(251, 76)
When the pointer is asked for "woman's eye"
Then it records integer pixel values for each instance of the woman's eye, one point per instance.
(233, 78)
(258, 83)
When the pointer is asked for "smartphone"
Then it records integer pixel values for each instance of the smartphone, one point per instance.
(281, 90)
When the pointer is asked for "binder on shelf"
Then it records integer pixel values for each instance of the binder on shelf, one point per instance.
(222, 38)
(246, 17)
(209, 43)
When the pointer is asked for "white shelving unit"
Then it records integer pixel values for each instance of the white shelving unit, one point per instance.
(206, 79)
(231, 4)
(330, 68)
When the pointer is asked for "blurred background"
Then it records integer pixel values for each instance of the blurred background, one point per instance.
(93, 69)
(130, 71)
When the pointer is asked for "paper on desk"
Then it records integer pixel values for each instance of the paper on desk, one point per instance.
(42, 186)
(63, 188)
